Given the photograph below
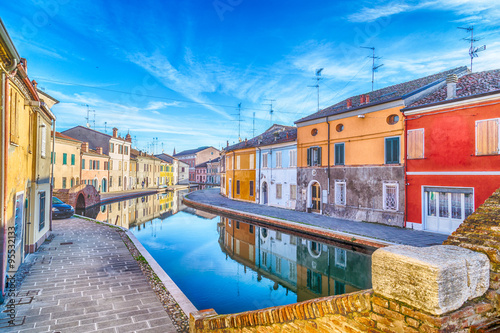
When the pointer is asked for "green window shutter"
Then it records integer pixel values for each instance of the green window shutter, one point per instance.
(98, 165)
(308, 156)
(319, 157)
(388, 151)
(395, 150)
(342, 154)
(392, 151)
(83, 164)
(72, 159)
(65, 159)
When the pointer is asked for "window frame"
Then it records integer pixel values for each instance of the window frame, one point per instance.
(279, 160)
(384, 196)
(391, 138)
(338, 185)
(497, 152)
(280, 192)
(337, 146)
(310, 151)
(408, 142)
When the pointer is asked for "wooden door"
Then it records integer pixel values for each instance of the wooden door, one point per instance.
(316, 198)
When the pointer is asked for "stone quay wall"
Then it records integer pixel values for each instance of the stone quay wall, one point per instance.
(381, 310)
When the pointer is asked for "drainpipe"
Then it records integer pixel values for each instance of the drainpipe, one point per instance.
(52, 162)
(232, 183)
(3, 189)
(328, 122)
(260, 162)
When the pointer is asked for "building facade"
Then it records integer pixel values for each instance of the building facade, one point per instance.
(213, 172)
(116, 147)
(67, 161)
(453, 151)
(193, 157)
(351, 155)
(277, 167)
(25, 149)
(240, 171)
(95, 168)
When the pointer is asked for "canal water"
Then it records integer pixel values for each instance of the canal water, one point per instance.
(234, 266)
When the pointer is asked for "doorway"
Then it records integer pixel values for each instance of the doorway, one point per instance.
(265, 193)
(315, 198)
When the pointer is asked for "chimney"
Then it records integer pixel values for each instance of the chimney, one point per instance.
(367, 99)
(85, 147)
(227, 143)
(24, 63)
(115, 132)
(34, 83)
(451, 86)
(99, 150)
(128, 137)
(349, 103)
(362, 100)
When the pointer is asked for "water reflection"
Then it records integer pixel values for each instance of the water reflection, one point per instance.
(137, 211)
(234, 266)
(309, 268)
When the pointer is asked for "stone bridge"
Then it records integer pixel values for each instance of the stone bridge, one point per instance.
(80, 196)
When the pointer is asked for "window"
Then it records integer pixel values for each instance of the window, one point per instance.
(278, 265)
(251, 188)
(250, 228)
(487, 133)
(278, 191)
(339, 154)
(415, 143)
(91, 164)
(98, 165)
(14, 117)
(393, 119)
(293, 192)
(339, 127)
(292, 271)
(340, 193)
(340, 258)
(120, 149)
(278, 235)
(264, 160)
(64, 182)
(390, 196)
(126, 150)
(65, 158)
(83, 164)
(293, 158)
(237, 162)
(252, 158)
(314, 156)
(314, 281)
(110, 181)
(237, 224)
(119, 180)
(111, 148)
(392, 150)
(72, 182)
(44, 141)
(278, 159)
(41, 223)
(237, 187)
(72, 159)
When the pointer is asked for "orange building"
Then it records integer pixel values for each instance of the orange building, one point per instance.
(350, 156)
(240, 171)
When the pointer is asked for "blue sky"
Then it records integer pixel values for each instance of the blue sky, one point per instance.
(176, 70)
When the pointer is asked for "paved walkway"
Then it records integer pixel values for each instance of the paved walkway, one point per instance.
(371, 230)
(86, 280)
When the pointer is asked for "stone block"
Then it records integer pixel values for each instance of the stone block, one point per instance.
(436, 279)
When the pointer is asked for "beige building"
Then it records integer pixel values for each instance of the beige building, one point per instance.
(67, 161)
(148, 169)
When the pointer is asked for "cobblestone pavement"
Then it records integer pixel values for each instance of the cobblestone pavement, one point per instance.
(86, 280)
(371, 230)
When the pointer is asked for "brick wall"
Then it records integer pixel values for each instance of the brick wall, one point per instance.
(366, 311)
(70, 196)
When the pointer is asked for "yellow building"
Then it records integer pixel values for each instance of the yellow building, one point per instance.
(350, 156)
(240, 171)
(25, 158)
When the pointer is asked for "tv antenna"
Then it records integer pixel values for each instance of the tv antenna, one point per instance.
(105, 127)
(88, 116)
(472, 50)
(271, 111)
(374, 68)
(317, 78)
(239, 122)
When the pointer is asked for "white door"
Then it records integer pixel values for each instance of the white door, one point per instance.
(445, 211)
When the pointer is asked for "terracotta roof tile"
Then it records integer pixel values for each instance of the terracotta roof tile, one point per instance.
(275, 134)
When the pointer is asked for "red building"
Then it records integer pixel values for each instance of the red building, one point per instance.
(453, 161)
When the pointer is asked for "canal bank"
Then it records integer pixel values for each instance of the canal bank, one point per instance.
(361, 233)
(90, 276)
(130, 194)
